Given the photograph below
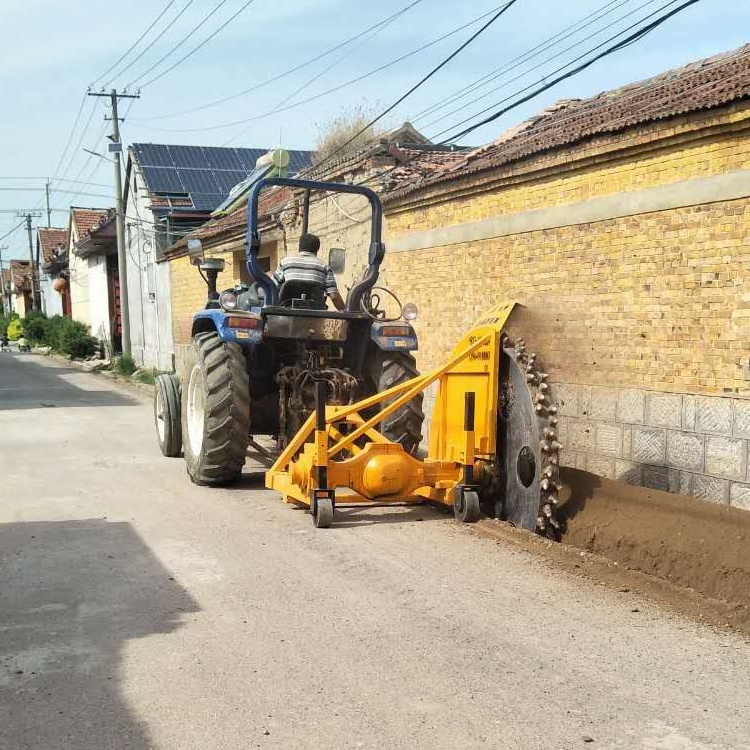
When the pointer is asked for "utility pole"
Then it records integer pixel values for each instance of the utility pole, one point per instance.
(49, 211)
(115, 147)
(3, 291)
(35, 296)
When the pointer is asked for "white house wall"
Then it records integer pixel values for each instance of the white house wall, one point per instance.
(149, 296)
(99, 297)
(51, 300)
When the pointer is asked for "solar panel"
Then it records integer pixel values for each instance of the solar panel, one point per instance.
(191, 157)
(206, 173)
(206, 201)
(199, 181)
(163, 180)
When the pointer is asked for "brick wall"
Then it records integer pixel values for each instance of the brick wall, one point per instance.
(642, 320)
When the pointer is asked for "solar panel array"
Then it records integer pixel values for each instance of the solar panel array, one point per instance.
(204, 173)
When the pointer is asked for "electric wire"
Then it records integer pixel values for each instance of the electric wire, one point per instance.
(544, 62)
(424, 79)
(198, 46)
(380, 27)
(332, 90)
(17, 226)
(634, 37)
(153, 42)
(133, 46)
(179, 44)
(519, 60)
(279, 76)
(70, 136)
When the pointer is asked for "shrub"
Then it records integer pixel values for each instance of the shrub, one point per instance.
(125, 365)
(76, 342)
(34, 326)
(5, 321)
(15, 329)
(70, 337)
(335, 134)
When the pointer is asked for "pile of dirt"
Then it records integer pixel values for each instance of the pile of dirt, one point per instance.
(690, 543)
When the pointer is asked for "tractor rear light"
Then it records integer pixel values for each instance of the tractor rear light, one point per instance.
(396, 331)
(253, 323)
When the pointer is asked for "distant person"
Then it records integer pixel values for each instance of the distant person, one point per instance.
(23, 344)
(307, 267)
(4, 346)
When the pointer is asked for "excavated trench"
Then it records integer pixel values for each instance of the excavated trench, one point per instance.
(690, 554)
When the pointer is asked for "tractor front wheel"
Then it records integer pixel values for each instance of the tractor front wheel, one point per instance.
(215, 411)
(404, 425)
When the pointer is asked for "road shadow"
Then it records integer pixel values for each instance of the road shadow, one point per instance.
(26, 382)
(73, 594)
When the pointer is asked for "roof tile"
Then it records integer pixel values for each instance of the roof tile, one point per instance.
(705, 84)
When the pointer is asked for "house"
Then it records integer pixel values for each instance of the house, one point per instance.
(342, 221)
(622, 223)
(20, 287)
(5, 290)
(93, 274)
(169, 191)
(51, 243)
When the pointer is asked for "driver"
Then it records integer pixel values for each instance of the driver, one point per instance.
(306, 266)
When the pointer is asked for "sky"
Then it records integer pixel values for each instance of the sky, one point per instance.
(52, 51)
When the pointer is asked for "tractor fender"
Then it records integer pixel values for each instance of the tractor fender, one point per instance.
(209, 320)
(394, 337)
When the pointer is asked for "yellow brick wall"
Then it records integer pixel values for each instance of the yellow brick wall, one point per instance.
(659, 300)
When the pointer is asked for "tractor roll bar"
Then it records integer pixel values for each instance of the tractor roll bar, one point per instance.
(252, 246)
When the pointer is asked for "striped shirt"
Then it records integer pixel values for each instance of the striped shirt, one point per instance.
(306, 267)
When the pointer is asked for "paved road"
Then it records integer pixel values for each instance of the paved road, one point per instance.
(138, 611)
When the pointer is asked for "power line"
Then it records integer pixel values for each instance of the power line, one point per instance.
(423, 80)
(526, 72)
(334, 89)
(278, 77)
(58, 179)
(17, 226)
(134, 45)
(331, 65)
(198, 46)
(178, 45)
(635, 36)
(70, 137)
(152, 42)
(529, 54)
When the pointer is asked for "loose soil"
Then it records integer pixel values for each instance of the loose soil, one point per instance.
(689, 553)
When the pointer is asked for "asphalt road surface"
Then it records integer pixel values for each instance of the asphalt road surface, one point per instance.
(140, 611)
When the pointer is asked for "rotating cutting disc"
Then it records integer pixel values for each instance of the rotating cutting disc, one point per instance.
(523, 489)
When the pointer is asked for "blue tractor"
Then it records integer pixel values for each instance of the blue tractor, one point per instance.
(258, 352)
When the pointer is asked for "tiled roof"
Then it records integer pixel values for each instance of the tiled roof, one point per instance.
(20, 271)
(87, 219)
(705, 84)
(50, 239)
(269, 201)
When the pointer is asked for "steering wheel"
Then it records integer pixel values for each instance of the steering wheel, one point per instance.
(370, 303)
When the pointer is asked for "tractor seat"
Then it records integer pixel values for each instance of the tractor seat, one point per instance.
(302, 294)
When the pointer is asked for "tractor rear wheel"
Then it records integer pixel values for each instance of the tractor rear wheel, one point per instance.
(404, 425)
(167, 414)
(215, 411)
